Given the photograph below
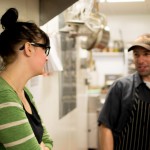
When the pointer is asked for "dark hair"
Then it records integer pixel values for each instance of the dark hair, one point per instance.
(16, 32)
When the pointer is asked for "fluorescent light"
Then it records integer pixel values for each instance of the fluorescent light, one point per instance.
(125, 0)
(111, 1)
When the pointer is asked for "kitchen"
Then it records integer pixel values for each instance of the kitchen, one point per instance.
(70, 130)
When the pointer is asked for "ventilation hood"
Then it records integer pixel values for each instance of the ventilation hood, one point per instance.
(51, 8)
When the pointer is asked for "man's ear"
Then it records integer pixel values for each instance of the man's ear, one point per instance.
(28, 49)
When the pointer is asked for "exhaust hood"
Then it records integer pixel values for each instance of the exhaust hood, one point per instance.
(51, 8)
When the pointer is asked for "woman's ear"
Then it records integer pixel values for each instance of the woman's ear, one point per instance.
(28, 49)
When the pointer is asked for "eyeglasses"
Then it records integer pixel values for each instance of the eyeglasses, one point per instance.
(44, 46)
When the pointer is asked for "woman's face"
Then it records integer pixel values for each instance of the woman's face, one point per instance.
(39, 60)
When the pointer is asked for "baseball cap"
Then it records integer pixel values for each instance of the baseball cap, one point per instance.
(141, 41)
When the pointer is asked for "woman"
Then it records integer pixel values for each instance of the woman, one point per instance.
(24, 48)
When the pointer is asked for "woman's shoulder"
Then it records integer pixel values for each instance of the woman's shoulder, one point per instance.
(7, 94)
(3, 84)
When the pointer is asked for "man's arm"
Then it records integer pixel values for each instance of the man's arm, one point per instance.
(106, 141)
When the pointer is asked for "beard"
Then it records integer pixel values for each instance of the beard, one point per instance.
(143, 72)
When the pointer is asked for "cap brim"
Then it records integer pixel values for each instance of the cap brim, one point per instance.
(139, 45)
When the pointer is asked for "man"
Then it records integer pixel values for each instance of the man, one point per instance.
(124, 122)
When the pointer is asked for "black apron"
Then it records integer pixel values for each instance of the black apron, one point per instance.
(136, 133)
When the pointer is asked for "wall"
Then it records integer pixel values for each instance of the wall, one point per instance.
(131, 26)
(108, 64)
(28, 10)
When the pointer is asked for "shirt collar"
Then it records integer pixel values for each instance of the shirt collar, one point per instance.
(138, 79)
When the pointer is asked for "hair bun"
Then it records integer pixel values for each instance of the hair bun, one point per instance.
(9, 18)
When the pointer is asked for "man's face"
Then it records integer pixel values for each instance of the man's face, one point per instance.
(142, 61)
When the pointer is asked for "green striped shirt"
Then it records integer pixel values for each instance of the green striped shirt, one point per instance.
(15, 130)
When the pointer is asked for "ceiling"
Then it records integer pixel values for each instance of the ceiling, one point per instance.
(125, 8)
